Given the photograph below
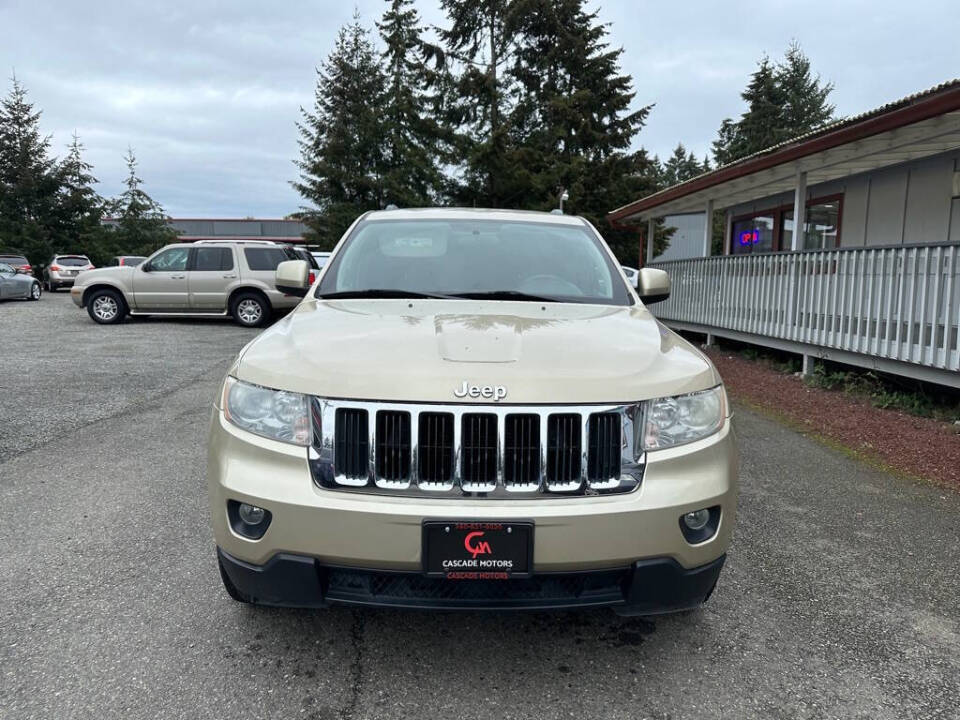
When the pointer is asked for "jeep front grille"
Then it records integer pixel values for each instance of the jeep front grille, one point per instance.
(474, 450)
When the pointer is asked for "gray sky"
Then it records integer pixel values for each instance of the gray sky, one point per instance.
(207, 92)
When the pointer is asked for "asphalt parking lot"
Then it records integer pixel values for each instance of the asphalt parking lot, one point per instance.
(839, 600)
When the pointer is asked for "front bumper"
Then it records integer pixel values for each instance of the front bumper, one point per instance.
(327, 529)
(647, 587)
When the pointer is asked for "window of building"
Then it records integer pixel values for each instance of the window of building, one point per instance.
(821, 231)
(753, 234)
(772, 230)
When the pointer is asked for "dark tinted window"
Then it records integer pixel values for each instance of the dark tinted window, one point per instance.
(14, 259)
(72, 261)
(213, 258)
(303, 254)
(136, 260)
(265, 258)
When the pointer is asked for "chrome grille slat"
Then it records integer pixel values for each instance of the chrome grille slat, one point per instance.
(482, 450)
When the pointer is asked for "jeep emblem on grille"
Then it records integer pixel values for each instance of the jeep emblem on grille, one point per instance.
(490, 392)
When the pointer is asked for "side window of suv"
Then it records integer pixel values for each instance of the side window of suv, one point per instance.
(213, 258)
(266, 258)
(172, 260)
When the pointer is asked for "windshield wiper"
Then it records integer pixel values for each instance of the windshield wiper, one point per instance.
(381, 293)
(508, 295)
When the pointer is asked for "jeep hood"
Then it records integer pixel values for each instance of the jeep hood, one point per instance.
(423, 350)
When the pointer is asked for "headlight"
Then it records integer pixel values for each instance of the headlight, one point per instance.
(682, 419)
(274, 414)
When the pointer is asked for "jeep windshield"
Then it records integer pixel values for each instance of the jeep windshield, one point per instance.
(474, 259)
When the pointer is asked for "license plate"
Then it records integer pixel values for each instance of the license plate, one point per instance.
(483, 550)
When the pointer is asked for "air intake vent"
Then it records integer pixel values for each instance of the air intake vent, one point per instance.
(603, 457)
(352, 447)
(435, 450)
(564, 446)
(393, 448)
(521, 452)
(478, 470)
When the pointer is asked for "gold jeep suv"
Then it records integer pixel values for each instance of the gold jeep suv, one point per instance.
(203, 279)
(472, 409)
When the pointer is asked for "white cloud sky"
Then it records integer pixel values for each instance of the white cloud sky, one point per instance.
(207, 92)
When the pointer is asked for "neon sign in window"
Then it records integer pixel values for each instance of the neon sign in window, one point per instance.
(749, 237)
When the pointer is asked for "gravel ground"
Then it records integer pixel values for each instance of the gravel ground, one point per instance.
(839, 599)
(920, 447)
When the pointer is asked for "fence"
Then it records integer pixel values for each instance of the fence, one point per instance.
(894, 308)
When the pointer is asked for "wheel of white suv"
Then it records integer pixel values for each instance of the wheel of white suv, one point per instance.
(250, 309)
(106, 307)
(35, 291)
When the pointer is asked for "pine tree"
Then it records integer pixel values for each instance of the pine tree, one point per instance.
(478, 46)
(29, 180)
(79, 208)
(573, 121)
(783, 101)
(681, 166)
(141, 224)
(412, 138)
(342, 139)
(805, 105)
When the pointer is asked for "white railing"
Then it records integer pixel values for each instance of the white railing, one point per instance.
(899, 303)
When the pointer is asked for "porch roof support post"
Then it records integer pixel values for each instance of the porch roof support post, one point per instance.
(708, 228)
(799, 211)
(651, 229)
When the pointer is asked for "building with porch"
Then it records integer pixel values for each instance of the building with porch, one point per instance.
(842, 244)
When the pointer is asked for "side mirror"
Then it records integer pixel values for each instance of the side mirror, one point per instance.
(293, 277)
(653, 285)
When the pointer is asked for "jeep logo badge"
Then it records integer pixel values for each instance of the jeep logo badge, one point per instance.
(490, 392)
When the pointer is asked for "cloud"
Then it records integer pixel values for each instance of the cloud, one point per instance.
(208, 92)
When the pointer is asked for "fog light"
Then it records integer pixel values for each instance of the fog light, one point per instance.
(251, 514)
(696, 520)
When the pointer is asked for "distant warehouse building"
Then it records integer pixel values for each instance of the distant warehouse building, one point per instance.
(843, 243)
(193, 229)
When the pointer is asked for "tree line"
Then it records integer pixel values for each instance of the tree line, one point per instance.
(49, 205)
(508, 105)
(511, 103)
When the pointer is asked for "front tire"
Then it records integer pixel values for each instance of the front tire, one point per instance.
(106, 307)
(250, 309)
(35, 291)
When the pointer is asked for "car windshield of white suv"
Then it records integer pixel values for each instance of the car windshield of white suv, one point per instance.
(470, 259)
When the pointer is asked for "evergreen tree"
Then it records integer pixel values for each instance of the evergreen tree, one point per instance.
(805, 105)
(412, 138)
(573, 120)
(29, 180)
(478, 46)
(141, 224)
(681, 166)
(783, 101)
(342, 139)
(80, 208)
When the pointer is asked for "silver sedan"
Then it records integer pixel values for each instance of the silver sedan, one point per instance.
(15, 284)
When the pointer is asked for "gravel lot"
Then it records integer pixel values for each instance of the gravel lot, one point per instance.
(839, 599)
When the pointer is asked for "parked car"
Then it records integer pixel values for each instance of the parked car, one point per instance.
(202, 279)
(321, 258)
(122, 260)
(15, 283)
(18, 261)
(472, 409)
(306, 255)
(632, 274)
(62, 271)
